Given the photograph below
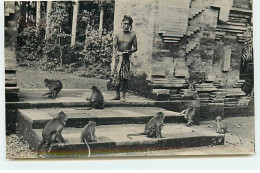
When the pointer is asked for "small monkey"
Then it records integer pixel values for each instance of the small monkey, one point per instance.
(189, 115)
(54, 86)
(52, 131)
(88, 134)
(222, 127)
(192, 82)
(96, 99)
(153, 128)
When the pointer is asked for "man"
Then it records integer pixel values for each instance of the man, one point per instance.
(124, 44)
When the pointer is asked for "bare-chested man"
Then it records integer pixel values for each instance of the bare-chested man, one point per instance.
(125, 43)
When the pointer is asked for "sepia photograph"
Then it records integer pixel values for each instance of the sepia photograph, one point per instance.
(133, 79)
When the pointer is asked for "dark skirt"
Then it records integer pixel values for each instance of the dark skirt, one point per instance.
(121, 68)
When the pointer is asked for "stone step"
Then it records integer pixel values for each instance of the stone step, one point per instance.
(168, 80)
(113, 138)
(32, 98)
(169, 85)
(10, 80)
(233, 92)
(79, 117)
(12, 94)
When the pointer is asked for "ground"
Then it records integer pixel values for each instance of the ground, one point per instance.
(29, 78)
(238, 140)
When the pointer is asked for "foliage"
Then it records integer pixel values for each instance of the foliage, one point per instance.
(140, 86)
(97, 54)
(58, 39)
(29, 45)
(89, 57)
(247, 51)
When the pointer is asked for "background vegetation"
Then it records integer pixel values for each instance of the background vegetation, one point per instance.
(89, 57)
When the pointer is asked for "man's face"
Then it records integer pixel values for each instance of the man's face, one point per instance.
(126, 25)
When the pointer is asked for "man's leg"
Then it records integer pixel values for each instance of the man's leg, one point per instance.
(125, 87)
(117, 97)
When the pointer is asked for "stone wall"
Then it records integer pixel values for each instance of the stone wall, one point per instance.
(202, 56)
(165, 54)
(180, 39)
(142, 13)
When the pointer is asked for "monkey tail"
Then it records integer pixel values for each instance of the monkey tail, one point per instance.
(238, 137)
(136, 134)
(89, 108)
(89, 152)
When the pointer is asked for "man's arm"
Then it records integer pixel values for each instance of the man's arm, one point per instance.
(115, 44)
(134, 44)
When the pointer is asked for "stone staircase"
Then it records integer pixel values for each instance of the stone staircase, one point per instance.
(194, 30)
(114, 122)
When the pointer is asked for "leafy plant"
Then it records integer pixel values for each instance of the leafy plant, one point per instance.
(90, 56)
(58, 40)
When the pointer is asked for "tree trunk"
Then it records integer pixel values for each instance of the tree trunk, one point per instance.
(38, 14)
(74, 23)
(47, 29)
(60, 49)
(101, 18)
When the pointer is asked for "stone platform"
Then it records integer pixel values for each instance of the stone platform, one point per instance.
(114, 122)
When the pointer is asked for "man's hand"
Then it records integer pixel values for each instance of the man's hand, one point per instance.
(126, 52)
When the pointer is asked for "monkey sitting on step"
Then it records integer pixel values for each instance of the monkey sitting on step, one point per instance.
(88, 134)
(221, 126)
(52, 131)
(189, 115)
(96, 99)
(54, 86)
(153, 128)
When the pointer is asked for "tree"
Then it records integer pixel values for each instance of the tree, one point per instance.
(48, 13)
(38, 14)
(74, 22)
(56, 39)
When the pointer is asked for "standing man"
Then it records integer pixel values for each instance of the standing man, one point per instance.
(124, 44)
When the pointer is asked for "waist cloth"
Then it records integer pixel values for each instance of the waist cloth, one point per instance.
(121, 69)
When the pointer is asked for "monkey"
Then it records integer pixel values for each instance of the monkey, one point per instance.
(192, 82)
(52, 131)
(222, 127)
(153, 127)
(96, 99)
(54, 86)
(88, 134)
(189, 115)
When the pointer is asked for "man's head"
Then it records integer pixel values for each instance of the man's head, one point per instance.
(127, 23)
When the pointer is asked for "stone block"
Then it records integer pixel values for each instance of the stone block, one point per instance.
(211, 110)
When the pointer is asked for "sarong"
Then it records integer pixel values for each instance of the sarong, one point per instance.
(121, 69)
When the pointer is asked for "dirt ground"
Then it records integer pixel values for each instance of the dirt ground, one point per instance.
(240, 138)
(29, 78)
